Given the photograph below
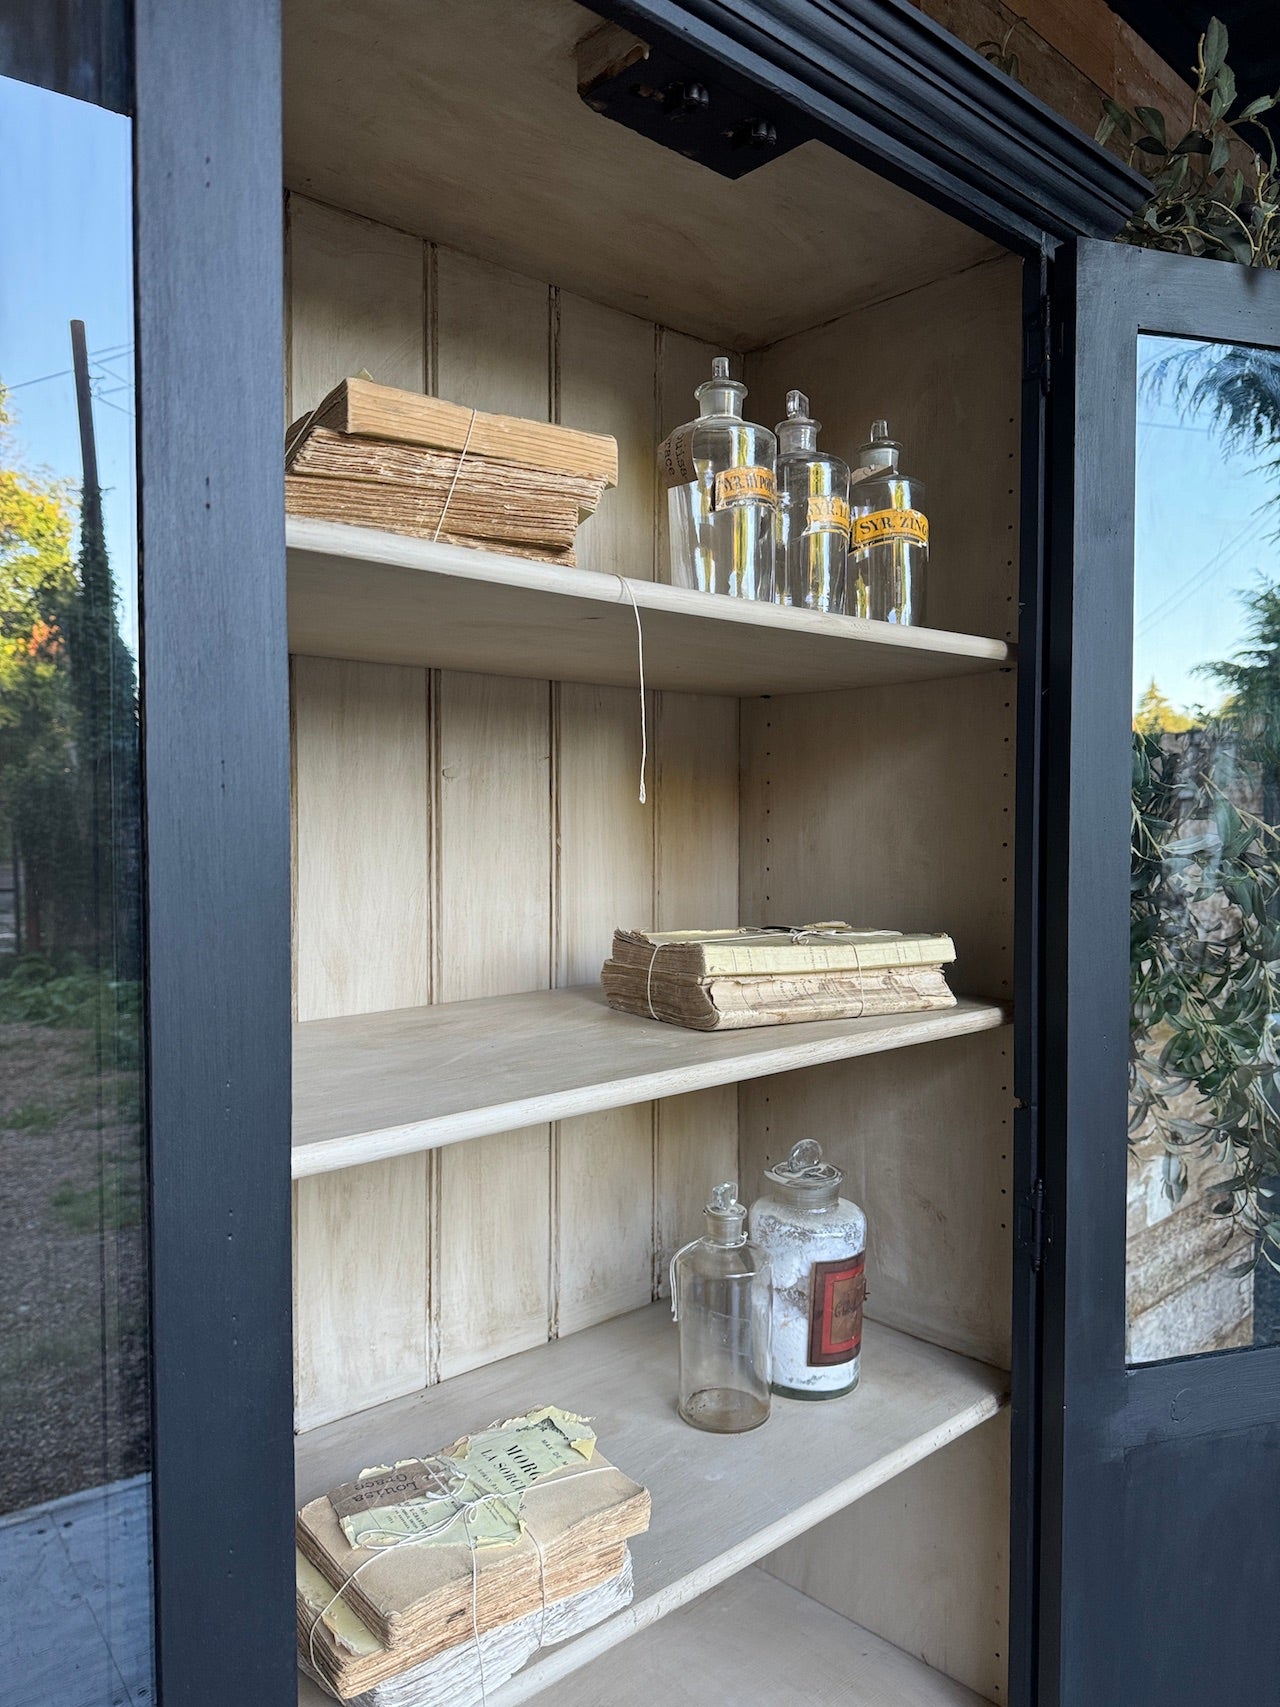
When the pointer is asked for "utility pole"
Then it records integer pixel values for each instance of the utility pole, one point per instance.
(91, 500)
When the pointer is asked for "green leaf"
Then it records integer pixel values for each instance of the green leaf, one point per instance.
(1221, 152)
(1153, 118)
(1224, 84)
(1194, 142)
(1214, 47)
(1260, 104)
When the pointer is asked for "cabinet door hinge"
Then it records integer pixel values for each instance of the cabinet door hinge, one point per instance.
(1032, 1229)
(1037, 349)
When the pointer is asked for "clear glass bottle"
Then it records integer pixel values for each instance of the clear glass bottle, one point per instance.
(816, 1243)
(813, 513)
(721, 495)
(720, 1296)
(889, 548)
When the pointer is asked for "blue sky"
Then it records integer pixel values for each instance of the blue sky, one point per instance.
(66, 182)
(1204, 533)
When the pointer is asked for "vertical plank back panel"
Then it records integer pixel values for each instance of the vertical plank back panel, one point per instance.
(924, 1560)
(493, 737)
(605, 1162)
(695, 883)
(606, 384)
(357, 300)
(362, 815)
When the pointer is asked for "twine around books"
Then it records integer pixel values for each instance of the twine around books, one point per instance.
(462, 457)
(462, 1509)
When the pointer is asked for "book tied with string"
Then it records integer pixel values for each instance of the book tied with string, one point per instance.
(728, 980)
(415, 1575)
(386, 458)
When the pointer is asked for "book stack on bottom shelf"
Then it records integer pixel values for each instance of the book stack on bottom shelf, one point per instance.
(427, 1582)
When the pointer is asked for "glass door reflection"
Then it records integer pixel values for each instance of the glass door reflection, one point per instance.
(75, 1512)
(1203, 1227)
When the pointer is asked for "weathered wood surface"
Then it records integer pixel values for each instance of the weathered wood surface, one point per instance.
(719, 1503)
(369, 1086)
(362, 593)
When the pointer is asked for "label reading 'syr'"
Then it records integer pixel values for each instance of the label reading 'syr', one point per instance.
(835, 1310)
(870, 529)
(828, 512)
(745, 486)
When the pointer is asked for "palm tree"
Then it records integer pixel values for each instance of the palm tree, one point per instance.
(1236, 386)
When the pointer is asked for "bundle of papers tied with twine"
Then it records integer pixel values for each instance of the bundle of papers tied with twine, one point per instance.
(442, 1574)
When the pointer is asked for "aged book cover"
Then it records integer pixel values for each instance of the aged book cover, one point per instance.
(385, 412)
(830, 947)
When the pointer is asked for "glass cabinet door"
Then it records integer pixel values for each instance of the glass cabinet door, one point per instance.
(75, 1413)
(1160, 1110)
(1203, 1201)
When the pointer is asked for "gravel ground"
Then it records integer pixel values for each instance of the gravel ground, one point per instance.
(73, 1292)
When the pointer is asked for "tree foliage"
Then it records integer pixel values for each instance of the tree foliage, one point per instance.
(38, 792)
(1155, 714)
(1203, 200)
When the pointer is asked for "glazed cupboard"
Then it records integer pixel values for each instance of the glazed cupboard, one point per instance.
(467, 835)
(491, 1171)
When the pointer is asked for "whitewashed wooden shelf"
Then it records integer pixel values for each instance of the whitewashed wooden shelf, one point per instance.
(756, 1640)
(720, 1503)
(370, 1086)
(383, 598)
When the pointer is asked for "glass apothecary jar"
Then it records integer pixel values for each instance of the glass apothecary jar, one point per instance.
(889, 543)
(816, 1244)
(720, 1297)
(813, 514)
(721, 495)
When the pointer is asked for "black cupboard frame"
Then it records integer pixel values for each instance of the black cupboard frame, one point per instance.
(875, 79)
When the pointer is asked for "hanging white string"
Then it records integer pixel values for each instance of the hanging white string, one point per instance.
(462, 1508)
(448, 497)
(644, 721)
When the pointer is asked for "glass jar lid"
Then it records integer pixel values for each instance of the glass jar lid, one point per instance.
(804, 1171)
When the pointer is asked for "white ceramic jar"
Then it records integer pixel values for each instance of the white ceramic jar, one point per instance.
(816, 1242)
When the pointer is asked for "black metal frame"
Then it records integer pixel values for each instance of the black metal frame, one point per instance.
(886, 85)
(216, 750)
(1095, 1411)
(876, 79)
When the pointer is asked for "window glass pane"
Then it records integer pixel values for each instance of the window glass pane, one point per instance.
(1204, 1156)
(74, 1341)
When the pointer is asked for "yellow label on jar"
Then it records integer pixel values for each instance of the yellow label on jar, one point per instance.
(745, 486)
(870, 529)
(829, 512)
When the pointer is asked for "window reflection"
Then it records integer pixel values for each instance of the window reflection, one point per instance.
(74, 1402)
(1204, 1159)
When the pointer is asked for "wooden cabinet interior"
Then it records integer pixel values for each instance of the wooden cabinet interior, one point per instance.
(467, 835)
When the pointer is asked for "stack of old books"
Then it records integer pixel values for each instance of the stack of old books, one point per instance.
(429, 1582)
(727, 979)
(385, 458)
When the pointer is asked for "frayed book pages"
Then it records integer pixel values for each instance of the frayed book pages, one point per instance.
(735, 1004)
(477, 1666)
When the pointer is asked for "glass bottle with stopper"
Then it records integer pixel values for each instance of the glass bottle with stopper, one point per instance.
(816, 1244)
(721, 494)
(889, 547)
(720, 1297)
(813, 513)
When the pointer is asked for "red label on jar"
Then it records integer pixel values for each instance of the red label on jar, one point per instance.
(835, 1310)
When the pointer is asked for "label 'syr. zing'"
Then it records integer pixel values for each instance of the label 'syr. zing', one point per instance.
(877, 525)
